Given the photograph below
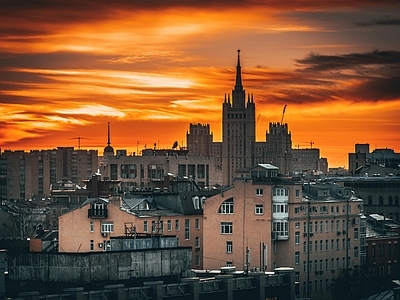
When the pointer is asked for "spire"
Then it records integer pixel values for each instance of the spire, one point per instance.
(108, 141)
(108, 150)
(238, 85)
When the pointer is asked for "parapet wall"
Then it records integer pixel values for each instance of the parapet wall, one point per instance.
(99, 266)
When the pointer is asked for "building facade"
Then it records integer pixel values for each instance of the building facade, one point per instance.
(139, 172)
(380, 194)
(175, 210)
(29, 175)
(239, 148)
(265, 221)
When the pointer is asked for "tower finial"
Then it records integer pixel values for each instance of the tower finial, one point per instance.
(238, 85)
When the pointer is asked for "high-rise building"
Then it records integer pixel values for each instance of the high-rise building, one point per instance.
(239, 149)
(199, 139)
(29, 175)
(238, 128)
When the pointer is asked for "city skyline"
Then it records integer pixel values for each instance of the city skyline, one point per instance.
(152, 68)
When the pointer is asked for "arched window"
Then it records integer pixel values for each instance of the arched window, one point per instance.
(369, 200)
(226, 207)
(390, 200)
(396, 200)
(380, 200)
(280, 191)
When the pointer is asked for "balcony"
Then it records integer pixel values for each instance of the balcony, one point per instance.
(94, 213)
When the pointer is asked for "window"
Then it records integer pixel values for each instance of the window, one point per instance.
(280, 208)
(229, 247)
(297, 224)
(297, 210)
(297, 257)
(169, 225)
(197, 242)
(280, 191)
(91, 245)
(177, 225)
(197, 260)
(226, 228)
(107, 227)
(297, 192)
(153, 226)
(304, 247)
(297, 237)
(91, 227)
(259, 192)
(145, 226)
(259, 209)
(355, 252)
(187, 229)
(128, 171)
(226, 207)
(155, 171)
(356, 233)
(280, 228)
(197, 224)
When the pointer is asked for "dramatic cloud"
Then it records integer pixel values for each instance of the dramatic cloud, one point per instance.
(153, 67)
(386, 22)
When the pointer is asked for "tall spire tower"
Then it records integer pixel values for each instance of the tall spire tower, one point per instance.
(238, 93)
(238, 129)
(108, 150)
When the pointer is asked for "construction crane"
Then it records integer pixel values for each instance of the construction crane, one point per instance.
(283, 113)
(79, 140)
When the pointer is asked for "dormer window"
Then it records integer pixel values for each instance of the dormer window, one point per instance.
(196, 202)
(98, 210)
(98, 206)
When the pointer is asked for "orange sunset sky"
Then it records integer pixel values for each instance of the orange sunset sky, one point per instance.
(151, 68)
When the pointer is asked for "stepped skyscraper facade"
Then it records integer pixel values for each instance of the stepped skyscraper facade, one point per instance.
(239, 148)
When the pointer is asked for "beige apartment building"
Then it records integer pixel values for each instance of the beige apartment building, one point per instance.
(265, 221)
(156, 213)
